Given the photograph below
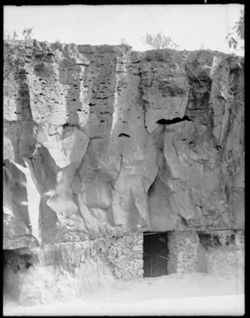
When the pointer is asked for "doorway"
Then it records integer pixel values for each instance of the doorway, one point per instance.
(155, 253)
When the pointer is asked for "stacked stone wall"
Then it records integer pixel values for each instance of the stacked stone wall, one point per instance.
(66, 270)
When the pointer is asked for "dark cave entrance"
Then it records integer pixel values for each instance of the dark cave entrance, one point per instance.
(15, 261)
(155, 253)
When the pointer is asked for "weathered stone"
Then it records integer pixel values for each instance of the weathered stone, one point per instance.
(101, 142)
(183, 252)
(221, 253)
(78, 265)
(91, 117)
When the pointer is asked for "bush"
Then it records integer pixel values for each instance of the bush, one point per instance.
(159, 41)
(14, 50)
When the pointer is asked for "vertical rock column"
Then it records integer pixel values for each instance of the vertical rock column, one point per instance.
(183, 252)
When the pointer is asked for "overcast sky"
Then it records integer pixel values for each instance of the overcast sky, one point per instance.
(190, 26)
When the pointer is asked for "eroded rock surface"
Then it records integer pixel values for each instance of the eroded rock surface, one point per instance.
(102, 143)
(103, 140)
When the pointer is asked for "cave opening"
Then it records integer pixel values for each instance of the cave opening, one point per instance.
(216, 239)
(16, 261)
(124, 135)
(155, 253)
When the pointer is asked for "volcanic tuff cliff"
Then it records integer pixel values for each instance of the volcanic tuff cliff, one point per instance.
(100, 140)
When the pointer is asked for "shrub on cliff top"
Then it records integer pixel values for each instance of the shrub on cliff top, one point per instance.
(15, 50)
(159, 41)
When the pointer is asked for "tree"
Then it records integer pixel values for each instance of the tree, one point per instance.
(236, 37)
(27, 33)
(14, 50)
(159, 41)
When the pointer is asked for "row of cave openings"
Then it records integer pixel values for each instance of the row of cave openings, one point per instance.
(155, 252)
(155, 257)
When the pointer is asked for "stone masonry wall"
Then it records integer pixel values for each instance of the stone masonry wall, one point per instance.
(183, 252)
(228, 257)
(218, 252)
(68, 270)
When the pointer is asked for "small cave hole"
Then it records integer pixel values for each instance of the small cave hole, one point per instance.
(172, 121)
(217, 239)
(208, 240)
(124, 135)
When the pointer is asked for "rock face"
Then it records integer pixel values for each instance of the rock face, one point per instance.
(102, 141)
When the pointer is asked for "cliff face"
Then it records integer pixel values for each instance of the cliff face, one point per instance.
(103, 141)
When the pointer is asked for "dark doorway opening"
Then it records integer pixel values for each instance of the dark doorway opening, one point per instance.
(155, 253)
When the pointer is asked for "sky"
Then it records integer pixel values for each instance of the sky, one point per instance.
(190, 26)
